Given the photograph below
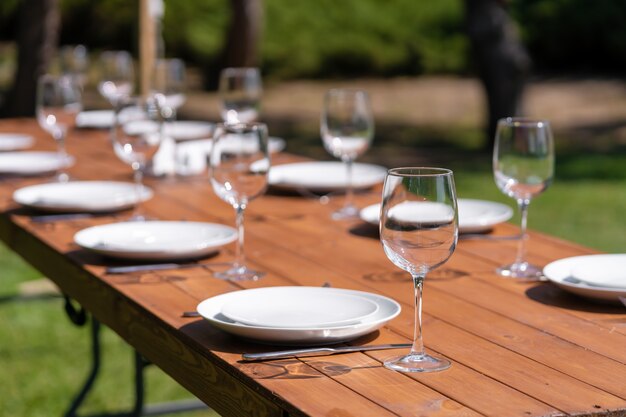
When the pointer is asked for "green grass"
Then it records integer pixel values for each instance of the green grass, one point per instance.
(45, 359)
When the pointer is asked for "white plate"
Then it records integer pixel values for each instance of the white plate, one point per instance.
(81, 196)
(151, 240)
(188, 130)
(298, 309)
(325, 176)
(97, 119)
(15, 141)
(563, 273)
(211, 310)
(474, 215)
(32, 163)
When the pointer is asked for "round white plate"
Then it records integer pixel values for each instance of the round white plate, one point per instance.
(151, 240)
(564, 274)
(188, 130)
(474, 215)
(15, 141)
(96, 119)
(325, 176)
(292, 308)
(81, 196)
(211, 310)
(32, 163)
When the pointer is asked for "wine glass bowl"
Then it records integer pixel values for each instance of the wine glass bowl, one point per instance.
(523, 167)
(170, 81)
(347, 130)
(59, 100)
(117, 77)
(419, 232)
(239, 164)
(240, 91)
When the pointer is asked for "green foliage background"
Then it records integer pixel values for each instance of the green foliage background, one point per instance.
(348, 38)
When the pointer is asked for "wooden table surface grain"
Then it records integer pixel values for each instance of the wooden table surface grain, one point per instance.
(517, 349)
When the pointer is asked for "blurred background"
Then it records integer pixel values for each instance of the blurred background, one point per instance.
(439, 73)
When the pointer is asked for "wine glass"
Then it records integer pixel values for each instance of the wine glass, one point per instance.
(240, 92)
(117, 77)
(347, 130)
(169, 80)
(75, 62)
(136, 137)
(523, 167)
(58, 103)
(419, 232)
(239, 164)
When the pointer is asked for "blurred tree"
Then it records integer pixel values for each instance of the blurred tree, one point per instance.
(501, 59)
(243, 38)
(38, 31)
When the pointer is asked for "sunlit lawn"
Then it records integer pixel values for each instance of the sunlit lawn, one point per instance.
(44, 358)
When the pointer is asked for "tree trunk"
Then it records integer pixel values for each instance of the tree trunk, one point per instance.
(37, 37)
(241, 48)
(502, 61)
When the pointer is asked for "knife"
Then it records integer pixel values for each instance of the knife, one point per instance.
(149, 267)
(318, 351)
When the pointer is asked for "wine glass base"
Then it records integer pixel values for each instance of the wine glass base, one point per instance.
(239, 273)
(521, 270)
(346, 213)
(417, 363)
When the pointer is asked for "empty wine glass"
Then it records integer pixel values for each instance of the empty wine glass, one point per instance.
(75, 62)
(523, 167)
(169, 80)
(347, 130)
(136, 136)
(240, 91)
(419, 232)
(117, 78)
(239, 166)
(58, 103)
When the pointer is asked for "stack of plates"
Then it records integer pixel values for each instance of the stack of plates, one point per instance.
(155, 240)
(299, 315)
(474, 215)
(601, 277)
(81, 196)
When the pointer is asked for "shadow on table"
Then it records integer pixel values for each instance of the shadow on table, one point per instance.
(291, 368)
(364, 229)
(549, 294)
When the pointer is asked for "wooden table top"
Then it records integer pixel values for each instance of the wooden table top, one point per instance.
(517, 349)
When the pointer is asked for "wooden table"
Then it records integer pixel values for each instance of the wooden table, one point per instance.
(517, 349)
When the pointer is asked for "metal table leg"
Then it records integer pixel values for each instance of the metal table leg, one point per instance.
(78, 316)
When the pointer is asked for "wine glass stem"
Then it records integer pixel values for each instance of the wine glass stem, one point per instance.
(418, 343)
(521, 248)
(59, 137)
(349, 188)
(240, 256)
(138, 179)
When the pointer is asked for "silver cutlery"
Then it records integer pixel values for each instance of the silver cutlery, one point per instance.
(150, 267)
(48, 218)
(319, 351)
(623, 300)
